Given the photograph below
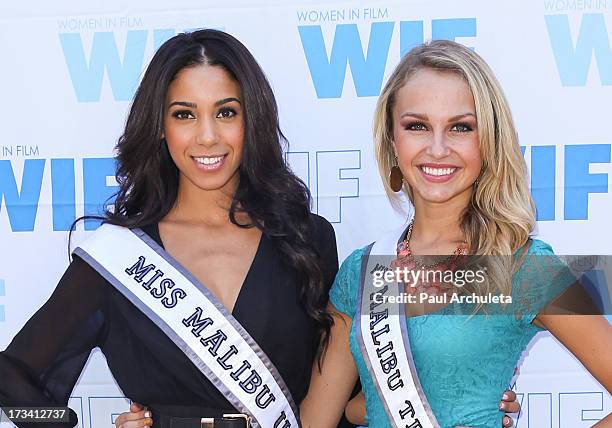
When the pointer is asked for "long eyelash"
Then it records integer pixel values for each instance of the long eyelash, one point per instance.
(227, 109)
(178, 113)
(414, 124)
(467, 126)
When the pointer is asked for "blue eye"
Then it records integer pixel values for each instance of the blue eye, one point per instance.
(461, 127)
(416, 126)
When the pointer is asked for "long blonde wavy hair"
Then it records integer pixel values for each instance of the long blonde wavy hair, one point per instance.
(501, 214)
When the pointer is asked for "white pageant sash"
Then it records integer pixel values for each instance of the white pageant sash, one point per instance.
(383, 338)
(195, 321)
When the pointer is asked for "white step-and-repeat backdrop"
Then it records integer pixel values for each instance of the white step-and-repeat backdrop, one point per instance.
(70, 68)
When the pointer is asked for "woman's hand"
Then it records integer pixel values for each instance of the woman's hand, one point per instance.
(509, 404)
(137, 417)
(355, 410)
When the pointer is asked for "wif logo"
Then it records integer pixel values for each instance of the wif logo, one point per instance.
(123, 69)
(22, 202)
(574, 59)
(2, 294)
(367, 68)
(578, 181)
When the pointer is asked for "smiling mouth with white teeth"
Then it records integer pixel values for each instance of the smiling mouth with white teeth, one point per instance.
(209, 162)
(438, 172)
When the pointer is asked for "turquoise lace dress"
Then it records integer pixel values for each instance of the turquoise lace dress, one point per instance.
(464, 363)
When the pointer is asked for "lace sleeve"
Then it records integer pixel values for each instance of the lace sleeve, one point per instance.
(542, 278)
(343, 294)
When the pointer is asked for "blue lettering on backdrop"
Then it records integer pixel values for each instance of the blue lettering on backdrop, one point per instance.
(328, 72)
(579, 182)
(450, 29)
(96, 191)
(331, 184)
(63, 193)
(573, 63)
(411, 34)
(160, 36)
(22, 204)
(123, 74)
(543, 162)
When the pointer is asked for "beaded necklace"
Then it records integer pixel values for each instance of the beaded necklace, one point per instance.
(405, 259)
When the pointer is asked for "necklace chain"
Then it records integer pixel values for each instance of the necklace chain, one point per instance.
(404, 251)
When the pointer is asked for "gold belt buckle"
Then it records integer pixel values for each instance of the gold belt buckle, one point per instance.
(210, 422)
(247, 418)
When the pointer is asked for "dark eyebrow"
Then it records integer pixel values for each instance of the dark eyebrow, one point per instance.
(194, 105)
(184, 104)
(227, 100)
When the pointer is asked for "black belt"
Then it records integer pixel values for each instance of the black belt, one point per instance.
(197, 417)
(227, 421)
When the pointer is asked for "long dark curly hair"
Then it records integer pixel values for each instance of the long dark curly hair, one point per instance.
(275, 200)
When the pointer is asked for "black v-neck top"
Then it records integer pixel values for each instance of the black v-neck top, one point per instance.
(43, 362)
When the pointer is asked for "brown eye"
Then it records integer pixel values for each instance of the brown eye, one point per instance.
(226, 113)
(182, 114)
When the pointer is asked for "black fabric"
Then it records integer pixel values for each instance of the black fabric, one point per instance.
(164, 417)
(196, 423)
(43, 362)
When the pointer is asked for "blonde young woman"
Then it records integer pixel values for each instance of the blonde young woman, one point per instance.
(444, 136)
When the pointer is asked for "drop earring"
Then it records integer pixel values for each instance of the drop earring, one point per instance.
(396, 178)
